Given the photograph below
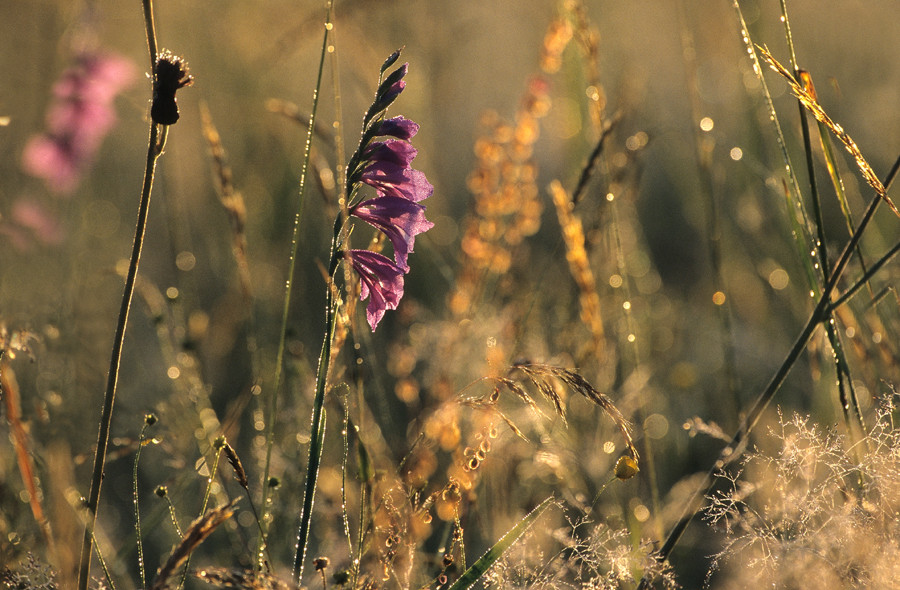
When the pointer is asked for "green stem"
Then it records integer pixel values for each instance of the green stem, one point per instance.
(137, 508)
(279, 361)
(842, 368)
(867, 276)
(317, 429)
(153, 154)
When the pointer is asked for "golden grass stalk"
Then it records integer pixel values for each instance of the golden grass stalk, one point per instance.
(199, 530)
(506, 206)
(808, 100)
(244, 579)
(9, 389)
(579, 265)
(231, 199)
(543, 375)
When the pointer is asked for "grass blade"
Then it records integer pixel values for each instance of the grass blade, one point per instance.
(813, 106)
(486, 561)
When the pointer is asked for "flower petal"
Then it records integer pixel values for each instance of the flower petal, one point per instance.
(399, 152)
(399, 127)
(381, 280)
(390, 179)
(399, 219)
(78, 119)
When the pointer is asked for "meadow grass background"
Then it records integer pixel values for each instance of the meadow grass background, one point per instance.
(471, 63)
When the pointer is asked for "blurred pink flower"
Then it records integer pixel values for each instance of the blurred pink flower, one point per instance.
(78, 119)
(30, 222)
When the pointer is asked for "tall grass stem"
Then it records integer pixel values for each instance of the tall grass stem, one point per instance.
(153, 153)
(317, 435)
(295, 242)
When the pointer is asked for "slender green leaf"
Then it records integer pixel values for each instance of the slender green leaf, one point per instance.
(487, 561)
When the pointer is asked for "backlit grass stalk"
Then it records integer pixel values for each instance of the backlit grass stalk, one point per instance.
(317, 427)
(813, 106)
(734, 450)
(833, 172)
(803, 242)
(219, 448)
(493, 555)
(842, 368)
(154, 150)
(579, 266)
(295, 242)
(233, 203)
(149, 420)
(864, 280)
(9, 391)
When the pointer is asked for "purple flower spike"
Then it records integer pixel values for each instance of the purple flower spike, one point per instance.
(381, 280)
(386, 166)
(390, 179)
(399, 219)
(399, 127)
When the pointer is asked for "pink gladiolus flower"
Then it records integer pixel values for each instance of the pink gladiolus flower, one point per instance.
(389, 178)
(29, 223)
(386, 165)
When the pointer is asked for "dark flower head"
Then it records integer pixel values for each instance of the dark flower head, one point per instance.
(171, 75)
(380, 280)
(399, 219)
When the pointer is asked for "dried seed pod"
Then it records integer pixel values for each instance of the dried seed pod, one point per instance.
(626, 467)
(171, 75)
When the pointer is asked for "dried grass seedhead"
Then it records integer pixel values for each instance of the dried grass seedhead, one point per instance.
(551, 382)
(199, 530)
(13, 342)
(243, 579)
(580, 266)
(578, 554)
(581, 386)
(32, 574)
(808, 99)
(236, 465)
(506, 205)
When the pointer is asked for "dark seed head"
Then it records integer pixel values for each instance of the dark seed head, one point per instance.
(171, 74)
